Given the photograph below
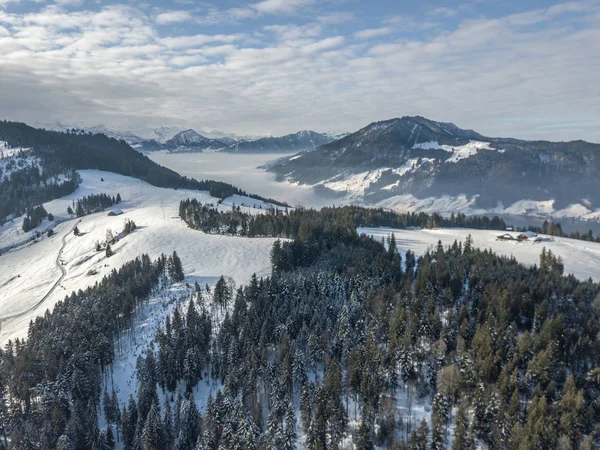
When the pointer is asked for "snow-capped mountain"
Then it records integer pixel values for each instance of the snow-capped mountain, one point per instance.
(300, 141)
(425, 160)
(190, 140)
(132, 137)
(159, 134)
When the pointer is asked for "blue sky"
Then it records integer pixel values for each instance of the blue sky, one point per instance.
(506, 68)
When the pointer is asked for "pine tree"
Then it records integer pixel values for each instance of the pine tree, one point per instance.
(110, 438)
(461, 428)
(167, 424)
(364, 438)
(290, 435)
(175, 268)
(152, 434)
(222, 293)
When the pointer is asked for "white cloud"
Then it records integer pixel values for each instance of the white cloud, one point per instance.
(291, 31)
(442, 11)
(324, 44)
(281, 6)
(336, 17)
(187, 60)
(117, 66)
(197, 40)
(373, 32)
(69, 2)
(171, 17)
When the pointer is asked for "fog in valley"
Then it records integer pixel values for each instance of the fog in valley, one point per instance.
(241, 170)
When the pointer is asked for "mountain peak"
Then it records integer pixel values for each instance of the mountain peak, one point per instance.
(192, 139)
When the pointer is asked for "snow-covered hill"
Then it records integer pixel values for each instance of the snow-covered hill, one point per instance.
(386, 161)
(30, 272)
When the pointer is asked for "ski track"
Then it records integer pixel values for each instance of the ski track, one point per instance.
(58, 263)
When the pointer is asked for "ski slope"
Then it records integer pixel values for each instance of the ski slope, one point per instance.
(30, 271)
(581, 258)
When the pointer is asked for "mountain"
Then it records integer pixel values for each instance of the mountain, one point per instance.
(417, 159)
(160, 134)
(300, 141)
(132, 137)
(190, 140)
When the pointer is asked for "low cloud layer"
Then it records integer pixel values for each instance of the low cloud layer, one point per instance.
(529, 74)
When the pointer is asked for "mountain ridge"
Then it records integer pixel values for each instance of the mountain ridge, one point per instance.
(299, 141)
(424, 158)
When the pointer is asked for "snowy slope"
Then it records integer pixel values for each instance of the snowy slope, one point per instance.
(30, 272)
(458, 151)
(6, 151)
(581, 258)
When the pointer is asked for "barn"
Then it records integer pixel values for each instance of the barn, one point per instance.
(115, 212)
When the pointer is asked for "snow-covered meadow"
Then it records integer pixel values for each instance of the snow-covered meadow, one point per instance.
(581, 258)
(29, 272)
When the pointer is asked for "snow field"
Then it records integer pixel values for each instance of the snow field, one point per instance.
(28, 273)
(581, 258)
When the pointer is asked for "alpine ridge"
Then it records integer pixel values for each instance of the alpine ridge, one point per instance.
(418, 158)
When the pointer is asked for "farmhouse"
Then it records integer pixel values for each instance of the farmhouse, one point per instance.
(505, 237)
(115, 212)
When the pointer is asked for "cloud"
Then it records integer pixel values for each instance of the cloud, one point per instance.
(117, 66)
(442, 11)
(336, 17)
(281, 6)
(69, 2)
(292, 31)
(197, 40)
(171, 17)
(373, 32)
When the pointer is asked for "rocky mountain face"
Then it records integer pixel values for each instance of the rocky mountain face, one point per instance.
(301, 141)
(427, 159)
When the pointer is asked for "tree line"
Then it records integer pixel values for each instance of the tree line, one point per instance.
(301, 222)
(555, 229)
(93, 203)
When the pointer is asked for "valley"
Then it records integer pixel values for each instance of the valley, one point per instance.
(325, 316)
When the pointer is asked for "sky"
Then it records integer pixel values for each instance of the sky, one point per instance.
(526, 69)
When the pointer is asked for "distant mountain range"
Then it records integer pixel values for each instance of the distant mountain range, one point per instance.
(414, 160)
(191, 141)
(175, 139)
(301, 141)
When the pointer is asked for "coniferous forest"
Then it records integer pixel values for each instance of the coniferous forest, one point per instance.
(301, 222)
(337, 346)
(94, 203)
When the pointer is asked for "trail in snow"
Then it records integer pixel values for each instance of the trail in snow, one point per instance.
(63, 274)
(30, 273)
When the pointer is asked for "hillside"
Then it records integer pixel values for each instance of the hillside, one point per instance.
(29, 271)
(412, 159)
(43, 166)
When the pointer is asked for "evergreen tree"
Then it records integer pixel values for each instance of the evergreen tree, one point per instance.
(175, 268)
